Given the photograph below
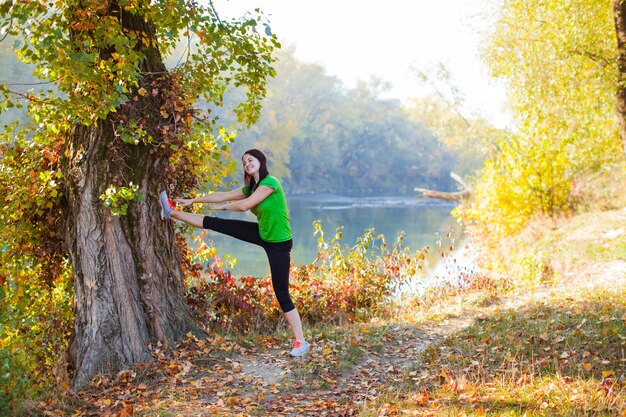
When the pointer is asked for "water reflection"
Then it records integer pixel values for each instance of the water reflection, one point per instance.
(424, 222)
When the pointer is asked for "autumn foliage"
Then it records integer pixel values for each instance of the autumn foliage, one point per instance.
(345, 284)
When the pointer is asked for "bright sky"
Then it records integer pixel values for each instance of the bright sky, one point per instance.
(357, 39)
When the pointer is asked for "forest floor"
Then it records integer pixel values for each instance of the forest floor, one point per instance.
(463, 355)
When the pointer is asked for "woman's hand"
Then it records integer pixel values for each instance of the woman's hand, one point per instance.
(184, 202)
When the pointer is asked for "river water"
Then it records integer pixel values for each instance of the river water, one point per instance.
(425, 222)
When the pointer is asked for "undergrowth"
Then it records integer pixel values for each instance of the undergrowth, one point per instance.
(345, 284)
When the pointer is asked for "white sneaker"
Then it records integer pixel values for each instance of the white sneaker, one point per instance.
(166, 205)
(299, 348)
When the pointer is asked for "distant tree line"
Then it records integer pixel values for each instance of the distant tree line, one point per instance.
(325, 138)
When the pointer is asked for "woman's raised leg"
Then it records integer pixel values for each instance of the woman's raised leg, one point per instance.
(189, 218)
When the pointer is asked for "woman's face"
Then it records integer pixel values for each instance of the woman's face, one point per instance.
(250, 164)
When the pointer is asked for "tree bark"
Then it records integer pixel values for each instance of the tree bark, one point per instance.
(128, 282)
(619, 14)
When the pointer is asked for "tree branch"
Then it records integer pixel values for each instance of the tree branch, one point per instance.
(465, 191)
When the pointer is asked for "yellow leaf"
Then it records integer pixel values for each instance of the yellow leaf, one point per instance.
(606, 374)
(586, 366)
(142, 92)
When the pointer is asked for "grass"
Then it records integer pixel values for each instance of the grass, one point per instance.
(563, 355)
(582, 238)
(565, 358)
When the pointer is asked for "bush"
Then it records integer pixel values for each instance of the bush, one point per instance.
(352, 283)
(344, 284)
(34, 331)
(241, 304)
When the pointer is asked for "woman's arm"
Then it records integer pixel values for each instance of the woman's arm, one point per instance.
(217, 197)
(260, 194)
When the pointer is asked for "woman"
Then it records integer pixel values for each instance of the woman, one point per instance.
(264, 196)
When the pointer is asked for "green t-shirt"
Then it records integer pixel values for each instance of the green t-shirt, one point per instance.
(272, 213)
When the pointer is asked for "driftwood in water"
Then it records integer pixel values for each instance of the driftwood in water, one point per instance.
(464, 192)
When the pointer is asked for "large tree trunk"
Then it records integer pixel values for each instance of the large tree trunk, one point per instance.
(619, 12)
(128, 282)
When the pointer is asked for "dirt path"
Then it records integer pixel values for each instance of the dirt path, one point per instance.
(306, 387)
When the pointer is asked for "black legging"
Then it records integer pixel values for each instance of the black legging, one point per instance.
(278, 254)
